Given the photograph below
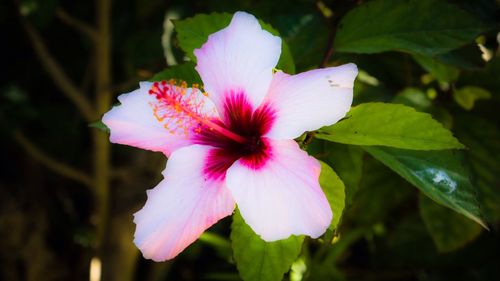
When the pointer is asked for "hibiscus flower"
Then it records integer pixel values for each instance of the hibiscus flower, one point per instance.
(233, 143)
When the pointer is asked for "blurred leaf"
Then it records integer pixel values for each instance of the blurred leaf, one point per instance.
(413, 97)
(467, 96)
(467, 57)
(390, 125)
(483, 140)
(193, 32)
(40, 12)
(258, 260)
(307, 39)
(449, 230)
(221, 244)
(347, 161)
(485, 78)
(184, 72)
(442, 72)
(441, 175)
(384, 25)
(100, 126)
(334, 189)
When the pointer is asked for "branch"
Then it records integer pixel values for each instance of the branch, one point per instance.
(77, 24)
(51, 163)
(57, 74)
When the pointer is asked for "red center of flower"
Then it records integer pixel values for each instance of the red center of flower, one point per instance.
(236, 135)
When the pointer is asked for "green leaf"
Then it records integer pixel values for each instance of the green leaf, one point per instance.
(449, 230)
(413, 97)
(347, 161)
(193, 32)
(390, 125)
(184, 72)
(371, 204)
(100, 126)
(466, 97)
(258, 260)
(385, 25)
(443, 72)
(441, 175)
(334, 189)
(484, 157)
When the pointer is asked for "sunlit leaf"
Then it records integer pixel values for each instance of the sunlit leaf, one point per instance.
(441, 175)
(449, 230)
(390, 125)
(419, 26)
(193, 32)
(258, 260)
(334, 189)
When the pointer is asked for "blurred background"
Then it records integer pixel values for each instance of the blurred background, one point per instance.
(67, 195)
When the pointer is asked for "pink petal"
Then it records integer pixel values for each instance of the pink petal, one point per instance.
(310, 100)
(281, 197)
(181, 206)
(238, 58)
(134, 123)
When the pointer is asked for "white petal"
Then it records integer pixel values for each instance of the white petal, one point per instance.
(310, 100)
(181, 206)
(283, 197)
(133, 122)
(238, 58)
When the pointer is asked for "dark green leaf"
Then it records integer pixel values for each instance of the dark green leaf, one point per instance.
(381, 192)
(347, 161)
(193, 32)
(384, 25)
(484, 155)
(258, 260)
(441, 175)
(334, 189)
(449, 230)
(184, 72)
(390, 125)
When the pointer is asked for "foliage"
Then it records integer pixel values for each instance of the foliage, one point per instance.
(412, 173)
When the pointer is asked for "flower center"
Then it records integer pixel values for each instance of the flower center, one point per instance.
(236, 135)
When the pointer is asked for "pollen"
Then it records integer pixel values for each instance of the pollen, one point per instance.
(181, 110)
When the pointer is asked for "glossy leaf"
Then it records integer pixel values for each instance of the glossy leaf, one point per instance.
(449, 230)
(390, 125)
(441, 175)
(385, 25)
(334, 189)
(193, 32)
(258, 260)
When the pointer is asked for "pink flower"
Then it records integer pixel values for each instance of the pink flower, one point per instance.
(234, 144)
